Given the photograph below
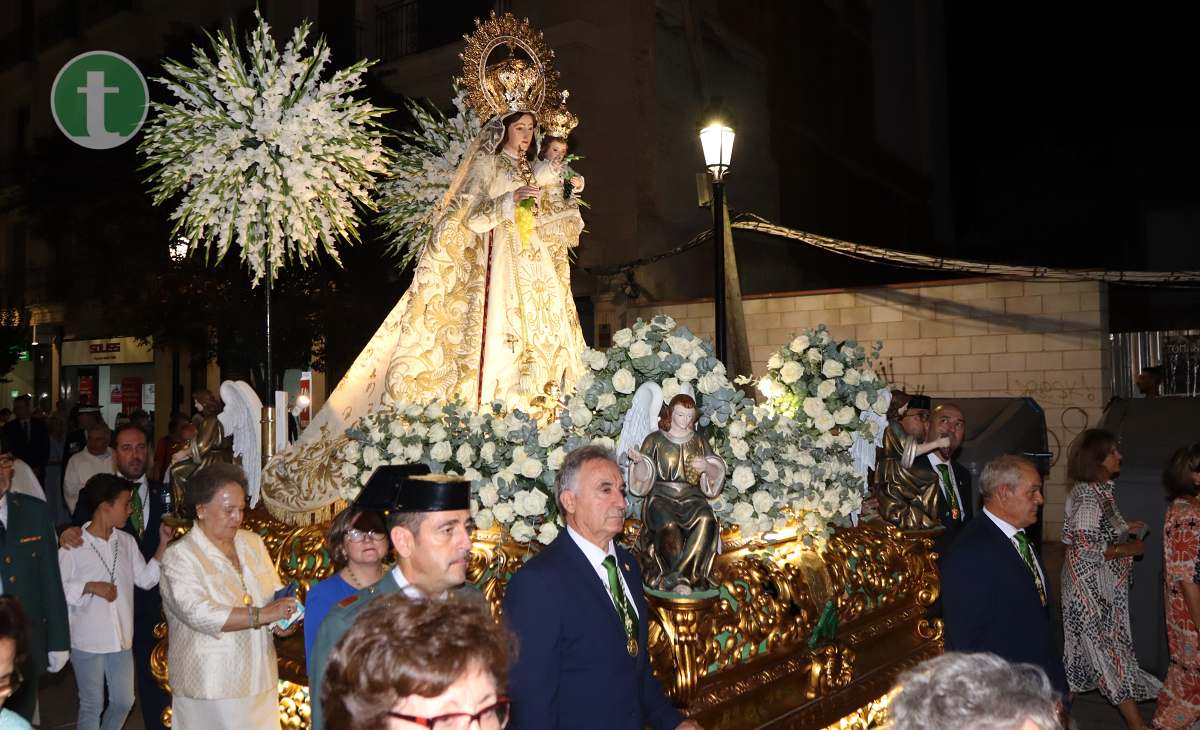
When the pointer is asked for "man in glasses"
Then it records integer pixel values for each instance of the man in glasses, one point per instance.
(29, 573)
(429, 526)
(908, 492)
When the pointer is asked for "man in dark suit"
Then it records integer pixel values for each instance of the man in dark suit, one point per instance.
(130, 458)
(429, 524)
(580, 617)
(994, 589)
(958, 502)
(29, 572)
(27, 437)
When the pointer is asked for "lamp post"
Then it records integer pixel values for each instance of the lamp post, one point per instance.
(717, 141)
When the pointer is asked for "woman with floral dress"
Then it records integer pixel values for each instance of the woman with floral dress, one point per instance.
(1179, 700)
(1095, 581)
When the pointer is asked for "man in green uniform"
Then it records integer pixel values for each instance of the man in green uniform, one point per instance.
(29, 572)
(429, 524)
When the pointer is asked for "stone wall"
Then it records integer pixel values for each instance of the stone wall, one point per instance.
(976, 338)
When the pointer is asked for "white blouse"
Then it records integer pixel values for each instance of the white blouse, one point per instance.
(97, 625)
(200, 588)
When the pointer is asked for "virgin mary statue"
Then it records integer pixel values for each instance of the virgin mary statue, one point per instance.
(489, 317)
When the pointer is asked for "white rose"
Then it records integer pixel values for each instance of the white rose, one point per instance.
(580, 415)
(472, 474)
(770, 471)
(351, 451)
(799, 344)
(670, 389)
(555, 458)
(537, 500)
(550, 435)
(775, 361)
(395, 448)
(518, 455)
(762, 501)
(489, 495)
(845, 439)
(605, 401)
(641, 348)
(739, 448)
(414, 410)
(434, 410)
(504, 512)
(487, 452)
(680, 346)
(623, 337)
(861, 401)
(605, 442)
(349, 471)
(770, 388)
(413, 453)
(868, 376)
(465, 454)
(595, 359)
(521, 504)
(824, 421)
(663, 322)
(826, 389)
(813, 407)
(791, 372)
(843, 415)
(419, 430)
(709, 383)
(520, 531)
(832, 369)
(737, 429)
(623, 381)
(531, 468)
(743, 513)
(397, 428)
(743, 478)
(852, 377)
(475, 423)
(585, 383)
(371, 457)
(436, 433)
(803, 477)
(687, 372)
(824, 441)
(484, 519)
(880, 405)
(814, 355)
(547, 533)
(441, 451)
(806, 459)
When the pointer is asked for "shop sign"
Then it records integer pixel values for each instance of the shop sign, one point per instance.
(116, 351)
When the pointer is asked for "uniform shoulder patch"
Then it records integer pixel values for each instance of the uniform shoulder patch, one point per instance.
(347, 601)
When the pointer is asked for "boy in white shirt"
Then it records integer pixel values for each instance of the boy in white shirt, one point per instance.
(98, 580)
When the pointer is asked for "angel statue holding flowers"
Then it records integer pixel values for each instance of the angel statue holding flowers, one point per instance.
(677, 472)
(489, 316)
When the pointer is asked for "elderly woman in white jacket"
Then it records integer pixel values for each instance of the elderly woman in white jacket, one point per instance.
(218, 585)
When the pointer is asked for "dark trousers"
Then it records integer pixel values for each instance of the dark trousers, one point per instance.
(154, 700)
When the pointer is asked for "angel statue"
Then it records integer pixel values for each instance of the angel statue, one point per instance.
(907, 490)
(678, 473)
(229, 433)
(489, 316)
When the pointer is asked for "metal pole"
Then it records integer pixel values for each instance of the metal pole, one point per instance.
(718, 238)
(269, 387)
(267, 444)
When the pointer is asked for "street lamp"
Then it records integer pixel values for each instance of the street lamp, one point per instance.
(179, 249)
(717, 141)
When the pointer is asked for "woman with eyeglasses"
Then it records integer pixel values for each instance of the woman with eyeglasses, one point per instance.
(358, 546)
(14, 648)
(404, 664)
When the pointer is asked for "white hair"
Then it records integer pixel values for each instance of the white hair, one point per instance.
(568, 474)
(977, 691)
(1003, 471)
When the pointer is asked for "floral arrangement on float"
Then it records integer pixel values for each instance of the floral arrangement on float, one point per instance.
(789, 457)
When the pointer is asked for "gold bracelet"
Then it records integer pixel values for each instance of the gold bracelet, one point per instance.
(253, 617)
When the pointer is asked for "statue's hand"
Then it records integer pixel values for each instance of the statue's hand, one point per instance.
(701, 465)
(634, 455)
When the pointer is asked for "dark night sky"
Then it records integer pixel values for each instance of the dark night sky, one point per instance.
(1068, 127)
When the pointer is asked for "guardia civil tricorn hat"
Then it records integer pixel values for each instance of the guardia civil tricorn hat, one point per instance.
(411, 488)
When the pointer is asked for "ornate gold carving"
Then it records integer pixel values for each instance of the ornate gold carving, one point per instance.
(871, 717)
(514, 83)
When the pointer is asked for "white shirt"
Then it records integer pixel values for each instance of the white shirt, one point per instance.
(407, 588)
(80, 468)
(596, 557)
(1009, 532)
(98, 626)
(934, 460)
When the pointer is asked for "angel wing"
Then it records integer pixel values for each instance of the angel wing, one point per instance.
(642, 417)
(863, 450)
(242, 418)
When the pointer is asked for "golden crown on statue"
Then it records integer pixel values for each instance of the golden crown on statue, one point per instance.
(557, 121)
(514, 83)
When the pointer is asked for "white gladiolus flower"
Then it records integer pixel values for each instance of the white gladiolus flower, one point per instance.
(520, 531)
(580, 415)
(555, 458)
(623, 337)
(623, 381)
(465, 454)
(639, 349)
(791, 372)
(531, 468)
(547, 533)
(709, 383)
(843, 415)
(670, 389)
(484, 519)
(487, 452)
(551, 435)
(762, 501)
(799, 344)
(852, 377)
(861, 401)
(832, 369)
(687, 372)
(739, 448)
(605, 401)
(813, 407)
(826, 389)
(441, 451)
(504, 512)
(743, 478)
(489, 495)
